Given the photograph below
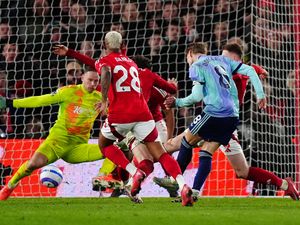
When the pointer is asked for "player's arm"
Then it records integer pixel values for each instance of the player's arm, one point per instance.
(65, 51)
(161, 83)
(260, 71)
(250, 72)
(31, 102)
(160, 96)
(105, 84)
(170, 121)
(195, 97)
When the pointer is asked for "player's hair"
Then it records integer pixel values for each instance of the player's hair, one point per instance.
(235, 48)
(141, 61)
(114, 40)
(197, 47)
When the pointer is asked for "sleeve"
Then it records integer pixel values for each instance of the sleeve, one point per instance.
(82, 58)
(195, 97)
(39, 101)
(159, 96)
(195, 74)
(250, 72)
(258, 69)
(99, 64)
(163, 84)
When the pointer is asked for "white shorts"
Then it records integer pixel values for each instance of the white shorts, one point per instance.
(140, 130)
(162, 130)
(233, 147)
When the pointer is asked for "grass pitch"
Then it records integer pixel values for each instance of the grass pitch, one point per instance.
(157, 211)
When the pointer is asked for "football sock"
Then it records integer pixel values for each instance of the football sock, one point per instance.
(185, 154)
(203, 169)
(107, 167)
(180, 181)
(170, 165)
(21, 172)
(147, 166)
(115, 154)
(262, 176)
(130, 168)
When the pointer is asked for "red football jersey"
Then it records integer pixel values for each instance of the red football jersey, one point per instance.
(150, 79)
(241, 82)
(126, 101)
(156, 103)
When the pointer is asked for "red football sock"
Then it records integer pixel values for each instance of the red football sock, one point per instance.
(170, 165)
(115, 154)
(147, 166)
(262, 176)
(123, 174)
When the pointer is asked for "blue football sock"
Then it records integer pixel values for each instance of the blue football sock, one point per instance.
(203, 169)
(185, 155)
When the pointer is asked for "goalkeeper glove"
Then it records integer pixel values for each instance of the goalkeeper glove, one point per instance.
(4, 102)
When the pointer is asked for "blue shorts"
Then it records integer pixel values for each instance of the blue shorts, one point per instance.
(217, 129)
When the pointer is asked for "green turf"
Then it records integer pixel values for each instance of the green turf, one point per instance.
(156, 211)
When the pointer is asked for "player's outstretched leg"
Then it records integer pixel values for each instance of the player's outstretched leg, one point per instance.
(13, 183)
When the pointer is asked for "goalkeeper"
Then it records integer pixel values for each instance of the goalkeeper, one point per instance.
(68, 139)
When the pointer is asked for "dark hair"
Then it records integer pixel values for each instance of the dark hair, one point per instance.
(235, 48)
(197, 47)
(141, 61)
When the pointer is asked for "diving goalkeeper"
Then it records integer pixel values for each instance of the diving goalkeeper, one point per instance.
(68, 139)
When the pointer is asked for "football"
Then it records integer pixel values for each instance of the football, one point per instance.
(51, 176)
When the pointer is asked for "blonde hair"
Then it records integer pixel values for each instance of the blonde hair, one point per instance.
(113, 39)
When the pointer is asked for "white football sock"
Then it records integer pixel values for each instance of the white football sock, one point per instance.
(180, 181)
(131, 169)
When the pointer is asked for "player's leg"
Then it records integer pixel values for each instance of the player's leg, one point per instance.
(210, 130)
(261, 176)
(173, 144)
(238, 162)
(147, 132)
(43, 155)
(109, 134)
(143, 159)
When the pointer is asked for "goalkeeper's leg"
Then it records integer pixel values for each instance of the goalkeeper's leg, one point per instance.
(38, 160)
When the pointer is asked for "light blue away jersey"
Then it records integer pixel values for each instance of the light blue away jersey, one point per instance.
(220, 94)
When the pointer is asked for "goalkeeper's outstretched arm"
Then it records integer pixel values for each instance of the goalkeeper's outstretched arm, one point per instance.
(30, 102)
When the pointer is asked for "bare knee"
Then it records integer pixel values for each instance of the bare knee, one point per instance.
(242, 173)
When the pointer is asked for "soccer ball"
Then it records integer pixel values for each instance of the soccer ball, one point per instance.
(51, 176)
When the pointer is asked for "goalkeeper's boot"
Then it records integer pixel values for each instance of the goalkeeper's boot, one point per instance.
(5, 192)
(292, 190)
(186, 196)
(137, 180)
(195, 196)
(171, 186)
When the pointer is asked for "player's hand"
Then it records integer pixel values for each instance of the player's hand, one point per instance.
(103, 109)
(60, 50)
(262, 103)
(170, 102)
(173, 81)
(2, 102)
(264, 74)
